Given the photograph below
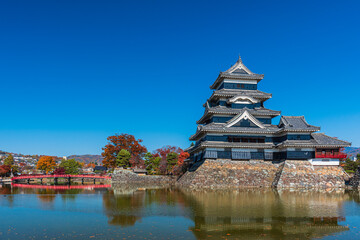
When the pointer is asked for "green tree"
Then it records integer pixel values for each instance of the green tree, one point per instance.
(152, 163)
(350, 165)
(156, 164)
(148, 160)
(171, 159)
(123, 159)
(9, 161)
(71, 166)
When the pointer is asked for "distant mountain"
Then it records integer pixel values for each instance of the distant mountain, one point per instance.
(87, 158)
(352, 151)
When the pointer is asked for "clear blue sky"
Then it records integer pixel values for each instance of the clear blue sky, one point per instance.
(74, 72)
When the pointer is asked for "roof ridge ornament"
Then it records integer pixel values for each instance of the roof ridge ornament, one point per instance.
(239, 60)
(246, 116)
(239, 65)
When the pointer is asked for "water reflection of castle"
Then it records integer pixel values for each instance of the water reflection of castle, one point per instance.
(237, 214)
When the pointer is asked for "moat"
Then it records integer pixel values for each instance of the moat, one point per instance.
(103, 212)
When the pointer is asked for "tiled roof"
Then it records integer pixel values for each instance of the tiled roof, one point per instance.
(290, 123)
(297, 143)
(234, 111)
(221, 128)
(323, 139)
(237, 71)
(318, 140)
(233, 92)
(238, 145)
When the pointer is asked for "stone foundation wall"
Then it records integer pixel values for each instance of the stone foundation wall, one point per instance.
(251, 174)
(123, 176)
(230, 174)
(302, 174)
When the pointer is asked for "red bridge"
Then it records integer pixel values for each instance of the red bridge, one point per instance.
(62, 187)
(56, 177)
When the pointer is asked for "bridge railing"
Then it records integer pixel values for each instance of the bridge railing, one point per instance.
(61, 176)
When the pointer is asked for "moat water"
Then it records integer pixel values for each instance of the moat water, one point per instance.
(102, 212)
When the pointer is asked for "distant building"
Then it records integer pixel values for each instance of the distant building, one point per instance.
(140, 171)
(100, 169)
(237, 126)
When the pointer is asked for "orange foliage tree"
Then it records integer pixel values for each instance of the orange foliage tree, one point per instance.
(46, 164)
(90, 165)
(180, 166)
(122, 141)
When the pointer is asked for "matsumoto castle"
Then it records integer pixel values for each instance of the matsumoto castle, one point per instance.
(236, 126)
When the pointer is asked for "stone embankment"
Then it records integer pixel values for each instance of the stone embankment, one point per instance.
(224, 174)
(302, 174)
(249, 174)
(230, 174)
(123, 176)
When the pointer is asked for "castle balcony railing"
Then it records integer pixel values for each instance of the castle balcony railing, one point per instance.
(330, 155)
(240, 155)
(269, 156)
(210, 154)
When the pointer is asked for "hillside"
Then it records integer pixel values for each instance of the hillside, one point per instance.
(352, 151)
(87, 158)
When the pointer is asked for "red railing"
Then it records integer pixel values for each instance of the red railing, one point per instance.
(62, 186)
(330, 155)
(61, 176)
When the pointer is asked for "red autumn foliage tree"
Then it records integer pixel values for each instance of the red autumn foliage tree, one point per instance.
(180, 166)
(59, 171)
(122, 141)
(5, 170)
(163, 153)
(182, 157)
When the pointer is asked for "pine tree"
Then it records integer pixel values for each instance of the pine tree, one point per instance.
(123, 158)
(171, 159)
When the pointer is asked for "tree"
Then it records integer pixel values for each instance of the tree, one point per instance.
(152, 163)
(5, 170)
(46, 164)
(118, 142)
(171, 159)
(180, 166)
(163, 152)
(59, 171)
(123, 159)
(350, 165)
(90, 165)
(9, 160)
(137, 161)
(71, 166)
(148, 160)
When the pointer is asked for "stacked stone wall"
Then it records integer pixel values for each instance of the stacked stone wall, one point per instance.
(230, 174)
(302, 174)
(123, 176)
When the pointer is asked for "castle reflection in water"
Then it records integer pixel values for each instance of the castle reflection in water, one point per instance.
(239, 214)
(245, 214)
